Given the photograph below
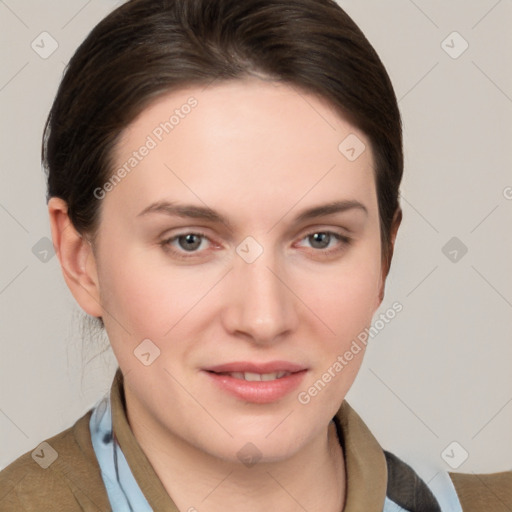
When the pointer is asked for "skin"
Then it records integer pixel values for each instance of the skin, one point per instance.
(258, 153)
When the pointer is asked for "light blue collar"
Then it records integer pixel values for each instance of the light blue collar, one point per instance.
(123, 491)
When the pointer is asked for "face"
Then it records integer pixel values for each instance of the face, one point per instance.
(217, 266)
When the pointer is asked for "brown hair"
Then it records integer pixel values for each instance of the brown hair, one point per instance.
(146, 48)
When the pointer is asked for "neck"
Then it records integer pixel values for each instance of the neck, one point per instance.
(313, 479)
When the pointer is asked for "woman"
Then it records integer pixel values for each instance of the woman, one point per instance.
(223, 186)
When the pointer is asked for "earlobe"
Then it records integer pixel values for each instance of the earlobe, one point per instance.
(76, 258)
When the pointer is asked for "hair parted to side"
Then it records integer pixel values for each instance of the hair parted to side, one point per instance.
(147, 48)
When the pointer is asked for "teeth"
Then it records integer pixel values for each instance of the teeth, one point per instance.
(252, 377)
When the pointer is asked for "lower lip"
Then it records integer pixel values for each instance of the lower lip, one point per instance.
(258, 392)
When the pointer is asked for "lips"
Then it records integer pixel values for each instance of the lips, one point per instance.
(257, 382)
(261, 368)
(255, 377)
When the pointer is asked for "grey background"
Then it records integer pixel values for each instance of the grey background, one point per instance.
(440, 371)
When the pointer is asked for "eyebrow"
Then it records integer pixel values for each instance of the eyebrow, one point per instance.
(205, 213)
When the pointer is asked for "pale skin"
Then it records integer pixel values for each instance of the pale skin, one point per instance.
(259, 154)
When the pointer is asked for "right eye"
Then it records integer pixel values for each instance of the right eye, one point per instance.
(183, 243)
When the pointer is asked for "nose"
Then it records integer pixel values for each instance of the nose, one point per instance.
(260, 304)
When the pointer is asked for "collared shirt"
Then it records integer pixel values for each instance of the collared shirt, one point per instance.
(97, 465)
(132, 484)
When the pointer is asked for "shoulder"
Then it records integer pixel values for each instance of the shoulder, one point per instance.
(486, 491)
(450, 492)
(62, 470)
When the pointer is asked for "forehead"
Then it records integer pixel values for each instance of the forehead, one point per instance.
(244, 140)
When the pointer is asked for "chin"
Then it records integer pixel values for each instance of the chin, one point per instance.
(269, 441)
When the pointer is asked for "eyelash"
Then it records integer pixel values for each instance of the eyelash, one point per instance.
(344, 240)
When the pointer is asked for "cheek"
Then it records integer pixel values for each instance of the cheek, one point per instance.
(346, 297)
(346, 306)
(147, 299)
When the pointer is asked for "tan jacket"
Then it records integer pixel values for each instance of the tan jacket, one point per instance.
(73, 482)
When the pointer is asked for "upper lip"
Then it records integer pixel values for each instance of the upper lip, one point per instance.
(251, 367)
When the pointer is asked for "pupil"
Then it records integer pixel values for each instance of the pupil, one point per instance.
(317, 237)
(190, 241)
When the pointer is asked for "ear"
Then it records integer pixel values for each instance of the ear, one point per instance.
(76, 258)
(386, 264)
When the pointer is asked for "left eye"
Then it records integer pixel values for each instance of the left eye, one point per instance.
(321, 239)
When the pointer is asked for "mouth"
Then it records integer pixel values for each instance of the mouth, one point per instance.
(250, 367)
(257, 383)
(255, 377)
